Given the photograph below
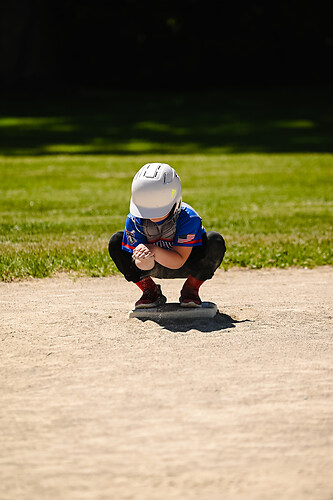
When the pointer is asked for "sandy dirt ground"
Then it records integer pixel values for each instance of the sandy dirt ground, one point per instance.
(97, 406)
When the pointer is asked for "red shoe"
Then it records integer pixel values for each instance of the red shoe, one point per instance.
(189, 297)
(151, 297)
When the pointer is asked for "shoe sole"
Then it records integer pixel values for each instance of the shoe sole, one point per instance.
(189, 304)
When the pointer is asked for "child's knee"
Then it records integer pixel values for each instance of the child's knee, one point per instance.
(216, 242)
(115, 242)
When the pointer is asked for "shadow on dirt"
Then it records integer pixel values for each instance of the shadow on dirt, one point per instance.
(219, 322)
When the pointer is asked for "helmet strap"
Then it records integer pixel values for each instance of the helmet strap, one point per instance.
(176, 211)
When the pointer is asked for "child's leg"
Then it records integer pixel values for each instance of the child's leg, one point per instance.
(201, 266)
(123, 259)
(189, 295)
(205, 259)
(152, 295)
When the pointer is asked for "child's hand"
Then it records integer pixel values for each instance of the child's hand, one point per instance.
(142, 252)
(144, 258)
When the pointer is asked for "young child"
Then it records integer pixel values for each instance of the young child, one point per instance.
(164, 238)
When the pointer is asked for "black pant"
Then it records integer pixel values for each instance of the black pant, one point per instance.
(201, 264)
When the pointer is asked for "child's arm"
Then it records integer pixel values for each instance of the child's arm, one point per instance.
(145, 256)
(173, 258)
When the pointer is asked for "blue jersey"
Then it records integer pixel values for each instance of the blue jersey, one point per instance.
(184, 231)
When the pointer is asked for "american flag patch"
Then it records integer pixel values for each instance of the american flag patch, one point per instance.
(186, 238)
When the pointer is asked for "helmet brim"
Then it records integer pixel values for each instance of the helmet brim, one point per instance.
(149, 213)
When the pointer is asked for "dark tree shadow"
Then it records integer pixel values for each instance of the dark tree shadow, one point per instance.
(219, 322)
(126, 123)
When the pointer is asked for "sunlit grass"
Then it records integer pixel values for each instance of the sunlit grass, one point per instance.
(58, 212)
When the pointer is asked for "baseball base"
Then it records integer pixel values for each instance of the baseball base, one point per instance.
(173, 311)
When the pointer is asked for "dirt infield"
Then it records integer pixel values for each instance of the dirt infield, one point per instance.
(96, 406)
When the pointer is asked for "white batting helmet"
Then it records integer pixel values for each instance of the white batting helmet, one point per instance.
(156, 189)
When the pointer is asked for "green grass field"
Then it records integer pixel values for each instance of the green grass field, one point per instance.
(256, 165)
